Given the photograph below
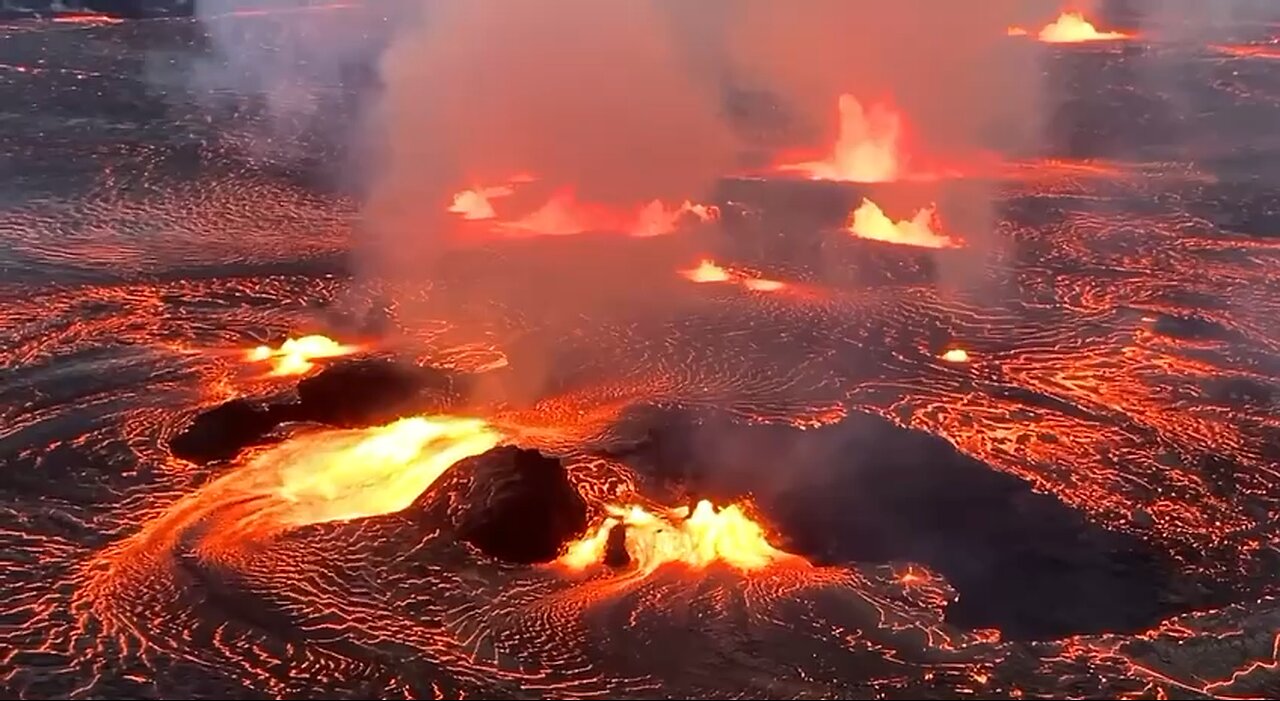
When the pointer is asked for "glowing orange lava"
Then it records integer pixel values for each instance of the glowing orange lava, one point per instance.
(344, 475)
(294, 356)
(867, 149)
(564, 214)
(956, 355)
(72, 17)
(706, 271)
(762, 285)
(698, 539)
(1248, 50)
(334, 475)
(1072, 28)
(868, 221)
(475, 204)
(709, 271)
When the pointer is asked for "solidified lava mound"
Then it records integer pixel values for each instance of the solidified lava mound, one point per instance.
(349, 395)
(223, 431)
(866, 490)
(518, 506)
(369, 392)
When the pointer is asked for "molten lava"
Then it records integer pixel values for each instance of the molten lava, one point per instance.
(956, 355)
(1248, 50)
(756, 284)
(868, 221)
(475, 204)
(698, 539)
(1073, 28)
(564, 214)
(73, 17)
(867, 149)
(344, 475)
(707, 271)
(294, 356)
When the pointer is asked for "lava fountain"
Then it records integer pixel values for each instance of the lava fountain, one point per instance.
(706, 271)
(868, 221)
(1070, 28)
(697, 539)
(294, 356)
(868, 149)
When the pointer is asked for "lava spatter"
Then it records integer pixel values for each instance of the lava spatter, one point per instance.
(294, 356)
(697, 539)
(868, 221)
(1070, 28)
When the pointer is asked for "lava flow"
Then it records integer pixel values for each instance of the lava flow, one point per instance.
(698, 539)
(71, 17)
(868, 149)
(1070, 28)
(327, 476)
(868, 221)
(1264, 51)
(294, 356)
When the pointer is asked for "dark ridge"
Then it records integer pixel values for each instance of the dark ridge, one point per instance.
(369, 392)
(354, 394)
(518, 506)
(124, 9)
(223, 431)
(1192, 328)
(1237, 391)
(866, 490)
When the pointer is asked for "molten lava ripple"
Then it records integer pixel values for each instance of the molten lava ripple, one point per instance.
(1046, 470)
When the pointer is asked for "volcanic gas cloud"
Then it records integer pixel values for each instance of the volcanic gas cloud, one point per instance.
(625, 142)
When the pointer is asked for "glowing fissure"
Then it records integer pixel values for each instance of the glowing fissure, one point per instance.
(697, 539)
(709, 271)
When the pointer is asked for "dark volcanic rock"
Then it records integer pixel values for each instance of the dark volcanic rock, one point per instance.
(364, 393)
(520, 506)
(222, 432)
(865, 490)
(615, 548)
(129, 9)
